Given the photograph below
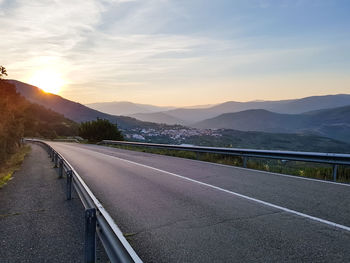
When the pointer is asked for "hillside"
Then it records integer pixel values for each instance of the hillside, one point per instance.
(126, 108)
(333, 123)
(255, 120)
(296, 106)
(157, 117)
(72, 110)
(21, 118)
(271, 141)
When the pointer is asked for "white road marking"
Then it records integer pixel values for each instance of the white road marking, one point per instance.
(277, 174)
(320, 220)
(241, 168)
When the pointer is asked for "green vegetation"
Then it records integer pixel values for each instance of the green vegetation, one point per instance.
(21, 118)
(96, 131)
(12, 164)
(241, 139)
(271, 141)
(3, 72)
(305, 169)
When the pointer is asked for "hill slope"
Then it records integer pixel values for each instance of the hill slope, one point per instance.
(271, 141)
(333, 123)
(126, 108)
(21, 118)
(157, 117)
(70, 109)
(254, 120)
(296, 106)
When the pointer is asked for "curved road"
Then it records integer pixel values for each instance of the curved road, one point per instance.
(180, 210)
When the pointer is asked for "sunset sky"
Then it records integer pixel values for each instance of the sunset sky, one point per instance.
(178, 52)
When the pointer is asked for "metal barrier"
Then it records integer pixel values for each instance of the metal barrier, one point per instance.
(97, 219)
(329, 158)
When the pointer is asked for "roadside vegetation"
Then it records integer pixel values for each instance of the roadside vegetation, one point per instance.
(98, 130)
(20, 118)
(304, 169)
(13, 164)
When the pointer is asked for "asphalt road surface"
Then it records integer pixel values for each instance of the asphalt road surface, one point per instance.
(180, 210)
(37, 223)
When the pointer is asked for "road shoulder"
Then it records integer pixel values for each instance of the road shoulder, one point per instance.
(37, 224)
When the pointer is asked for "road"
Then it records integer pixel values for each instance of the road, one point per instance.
(180, 210)
(37, 224)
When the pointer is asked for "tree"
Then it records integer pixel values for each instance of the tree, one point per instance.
(3, 72)
(98, 130)
(19, 118)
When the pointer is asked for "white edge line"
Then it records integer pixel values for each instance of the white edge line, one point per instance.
(107, 216)
(242, 168)
(346, 228)
(277, 174)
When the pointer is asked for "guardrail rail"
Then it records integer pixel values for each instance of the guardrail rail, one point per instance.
(97, 219)
(333, 159)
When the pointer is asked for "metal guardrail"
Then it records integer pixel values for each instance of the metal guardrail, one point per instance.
(97, 219)
(328, 158)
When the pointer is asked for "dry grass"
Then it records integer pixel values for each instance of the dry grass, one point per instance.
(13, 164)
(310, 170)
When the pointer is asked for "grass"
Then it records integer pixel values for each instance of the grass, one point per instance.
(13, 164)
(304, 169)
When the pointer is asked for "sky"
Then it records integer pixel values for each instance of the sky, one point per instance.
(178, 52)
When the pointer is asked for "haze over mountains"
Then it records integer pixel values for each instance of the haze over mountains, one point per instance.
(333, 123)
(126, 108)
(70, 109)
(189, 116)
(327, 116)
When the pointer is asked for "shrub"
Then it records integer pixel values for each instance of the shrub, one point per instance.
(98, 130)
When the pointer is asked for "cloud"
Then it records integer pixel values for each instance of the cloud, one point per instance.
(66, 37)
(133, 45)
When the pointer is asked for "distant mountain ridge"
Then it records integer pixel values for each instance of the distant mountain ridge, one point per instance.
(72, 110)
(22, 118)
(126, 108)
(333, 123)
(158, 117)
(294, 106)
(191, 115)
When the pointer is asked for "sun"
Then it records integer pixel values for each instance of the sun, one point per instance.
(47, 80)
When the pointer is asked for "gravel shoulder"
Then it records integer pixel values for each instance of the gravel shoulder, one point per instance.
(37, 223)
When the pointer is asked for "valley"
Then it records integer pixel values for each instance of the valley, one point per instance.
(307, 127)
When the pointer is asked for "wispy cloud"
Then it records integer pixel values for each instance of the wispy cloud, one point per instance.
(130, 45)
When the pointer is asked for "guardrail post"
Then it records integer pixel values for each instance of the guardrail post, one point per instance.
(69, 184)
(60, 168)
(335, 171)
(245, 158)
(90, 235)
(56, 160)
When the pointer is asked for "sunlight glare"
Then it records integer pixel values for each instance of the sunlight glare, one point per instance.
(47, 80)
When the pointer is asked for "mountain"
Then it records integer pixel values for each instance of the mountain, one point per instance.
(21, 118)
(126, 108)
(254, 120)
(296, 106)
(72, 110)
(157, 117)
(194, 114)
(333, 123)
(271, 141)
